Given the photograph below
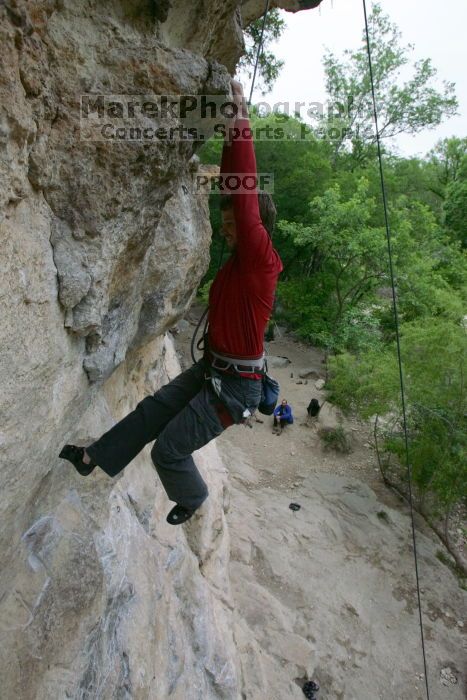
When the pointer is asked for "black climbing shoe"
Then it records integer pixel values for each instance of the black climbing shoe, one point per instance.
(179, 515)
(75, 455)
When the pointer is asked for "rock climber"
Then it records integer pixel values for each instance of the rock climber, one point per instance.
(282, 417)
(224, 387)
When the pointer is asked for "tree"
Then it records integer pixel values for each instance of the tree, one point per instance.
(455, 205)
(447, 157)
(342, 240)
(403, 107)
(415, 179)
(434, 357)
(430, 270)
(343, 263)
(269, 66)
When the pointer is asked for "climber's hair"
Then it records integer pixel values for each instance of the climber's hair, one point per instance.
(267, 210)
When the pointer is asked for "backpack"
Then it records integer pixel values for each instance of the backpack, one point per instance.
(270, 390)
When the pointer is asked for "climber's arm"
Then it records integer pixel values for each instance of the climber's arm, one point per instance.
(238, 157)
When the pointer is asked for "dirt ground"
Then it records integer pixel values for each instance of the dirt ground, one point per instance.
(328, 592)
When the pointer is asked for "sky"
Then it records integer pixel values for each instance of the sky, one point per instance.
(436, 28)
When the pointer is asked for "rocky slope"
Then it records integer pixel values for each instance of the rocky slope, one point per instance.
(102, 246)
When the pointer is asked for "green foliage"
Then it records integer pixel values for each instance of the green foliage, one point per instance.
(447, 157)
(203, 292)
(302, 306)
(403, 108)
(335, 439)
(455, 204)
(448, 171)
(416, 179)
(269, 66)
(301, 168)
(382, 515)
(367, 384)
(306, 307)
(453, 566)
(344, 259)
(434, 357)
(426, 285)
(344, 243)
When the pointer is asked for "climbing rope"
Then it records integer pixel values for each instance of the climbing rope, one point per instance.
(258, 53)
(396, 322)
(200, 343)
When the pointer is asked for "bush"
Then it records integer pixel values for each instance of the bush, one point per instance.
(335, 439)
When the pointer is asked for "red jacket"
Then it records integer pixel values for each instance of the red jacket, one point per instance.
(242, 293)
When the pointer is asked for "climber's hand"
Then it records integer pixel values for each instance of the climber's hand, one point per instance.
(239, 99)
(241, 112)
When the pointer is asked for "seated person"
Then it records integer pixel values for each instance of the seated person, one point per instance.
(283, 412)
(313, 408)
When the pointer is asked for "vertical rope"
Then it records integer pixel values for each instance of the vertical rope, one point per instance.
(399, 355)
(258, 54)
(204, 316)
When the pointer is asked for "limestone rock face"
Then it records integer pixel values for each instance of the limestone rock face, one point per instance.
(103, 201)
(103, 244)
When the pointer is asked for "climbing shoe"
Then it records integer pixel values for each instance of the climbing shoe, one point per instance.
(179, 515)
(75, 455)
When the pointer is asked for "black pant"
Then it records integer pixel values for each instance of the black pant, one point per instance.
(182, 416)
(283, 422)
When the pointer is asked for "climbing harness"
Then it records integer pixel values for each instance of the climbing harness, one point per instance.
(237, 364)
(396, 323)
